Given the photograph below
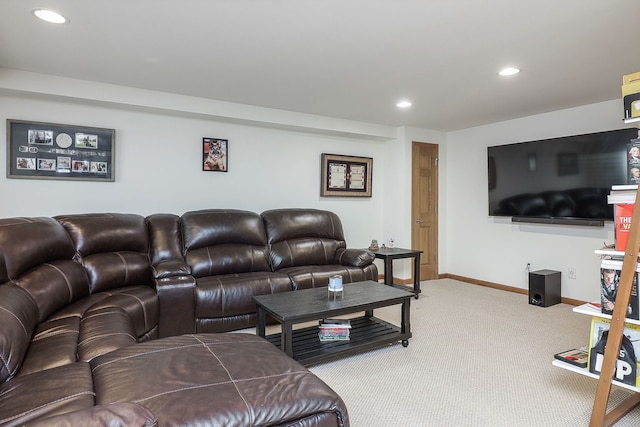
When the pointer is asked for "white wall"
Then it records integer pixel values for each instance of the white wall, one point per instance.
(158, 168)
(274, 161)
(497, 250)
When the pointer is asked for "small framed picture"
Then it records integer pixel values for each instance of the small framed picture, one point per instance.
(215, 154)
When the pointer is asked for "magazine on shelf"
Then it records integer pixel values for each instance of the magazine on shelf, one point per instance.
(330, 338)
(628, 187)
(575, 357)
(622, 194)
(335, 323)
(594, 305)
(622, 214)
(334, 335)
(627, 365)
(633, 162)
(610, 271)
(334, 330)
(627, 198)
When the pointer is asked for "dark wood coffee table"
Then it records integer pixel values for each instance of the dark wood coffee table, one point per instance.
(367, 331)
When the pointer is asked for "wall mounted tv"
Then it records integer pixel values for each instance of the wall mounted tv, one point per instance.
(560, 180)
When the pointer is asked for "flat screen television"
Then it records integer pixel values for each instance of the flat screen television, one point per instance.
(559, 180)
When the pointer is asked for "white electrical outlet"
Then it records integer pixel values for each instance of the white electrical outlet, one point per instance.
(572, 273)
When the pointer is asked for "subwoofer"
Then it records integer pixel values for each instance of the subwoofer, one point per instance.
(544, 288)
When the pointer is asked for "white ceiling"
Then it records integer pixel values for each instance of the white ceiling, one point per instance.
(352, 59)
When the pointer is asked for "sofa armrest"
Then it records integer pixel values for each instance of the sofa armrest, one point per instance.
(124, 414)
(170, 268)
(176, 300)
(355, 257)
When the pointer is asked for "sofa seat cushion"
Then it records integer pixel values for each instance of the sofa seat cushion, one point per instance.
(92, 326)
(225, 324)
(232, 294)
(139, 302)
(312, 276)
(116, 414)
(214, 379)
(46, 393)
(54, 343)
(103, 330)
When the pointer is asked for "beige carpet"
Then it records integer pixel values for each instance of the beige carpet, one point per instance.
(478, 357)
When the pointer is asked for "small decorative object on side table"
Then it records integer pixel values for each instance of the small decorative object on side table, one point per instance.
(374, 245)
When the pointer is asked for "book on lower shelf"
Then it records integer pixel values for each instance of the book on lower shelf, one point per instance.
(334, 330)
(575, 357)
(627, 368)
(594, 306)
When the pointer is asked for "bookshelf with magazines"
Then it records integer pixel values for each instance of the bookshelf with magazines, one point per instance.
(604, 364)
(612, 365)
(601, 312)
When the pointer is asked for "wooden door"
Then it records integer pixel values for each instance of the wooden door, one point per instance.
(424, 207)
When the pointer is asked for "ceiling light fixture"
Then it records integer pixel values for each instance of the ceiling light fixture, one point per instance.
(508, 71)
(49, 16)
(403, 104)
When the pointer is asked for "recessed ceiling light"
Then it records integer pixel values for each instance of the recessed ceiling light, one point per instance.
(508, 71)
(403, 104)
(49, 16)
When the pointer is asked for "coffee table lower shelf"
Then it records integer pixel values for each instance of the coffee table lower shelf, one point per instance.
(365, 333)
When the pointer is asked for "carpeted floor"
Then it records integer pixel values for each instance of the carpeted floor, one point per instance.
(478, 357)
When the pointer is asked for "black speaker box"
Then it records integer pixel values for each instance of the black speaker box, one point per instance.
(544, 288)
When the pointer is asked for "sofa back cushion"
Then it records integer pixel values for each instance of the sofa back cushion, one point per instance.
(54, 285)
(37, 255)
(18, 317)
(224, 241)
(28, 242)
(302, 237)
(112, 247)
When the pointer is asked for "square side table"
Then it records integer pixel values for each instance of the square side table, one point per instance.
(390, 254)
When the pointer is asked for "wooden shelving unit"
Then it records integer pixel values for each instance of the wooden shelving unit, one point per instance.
(599, 415)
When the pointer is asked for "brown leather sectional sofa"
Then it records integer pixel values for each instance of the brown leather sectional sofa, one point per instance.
(115, 319)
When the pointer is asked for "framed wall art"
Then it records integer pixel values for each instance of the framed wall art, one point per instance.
(345, 176)
(37, 150)
(215, 154)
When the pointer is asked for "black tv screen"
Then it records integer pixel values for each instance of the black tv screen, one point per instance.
(567, 178)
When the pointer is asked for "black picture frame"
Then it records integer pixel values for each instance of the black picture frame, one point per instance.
(40, 150)
(345, 176)
(215, 155)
